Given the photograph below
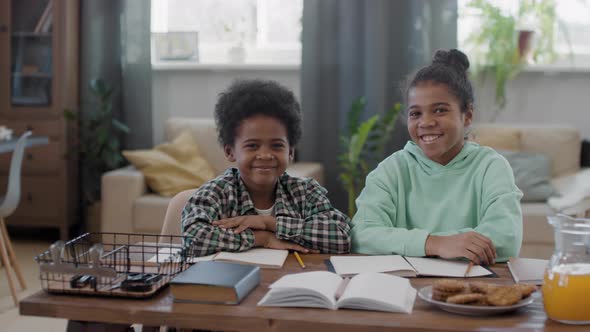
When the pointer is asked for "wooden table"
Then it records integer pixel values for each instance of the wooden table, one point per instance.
(161, 310)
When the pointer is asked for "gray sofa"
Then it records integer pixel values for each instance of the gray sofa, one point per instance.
(562, 145)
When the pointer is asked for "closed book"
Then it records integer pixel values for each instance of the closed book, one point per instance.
(215, 282)
(527, 270)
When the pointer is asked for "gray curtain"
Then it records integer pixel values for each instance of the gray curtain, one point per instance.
(355, 48)
(115, 46)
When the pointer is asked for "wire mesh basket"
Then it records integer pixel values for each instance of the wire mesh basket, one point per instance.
(112, 264)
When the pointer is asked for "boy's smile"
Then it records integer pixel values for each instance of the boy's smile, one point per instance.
(262, 152)
(436, 122)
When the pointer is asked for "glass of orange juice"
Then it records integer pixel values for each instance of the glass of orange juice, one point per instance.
(566, 288)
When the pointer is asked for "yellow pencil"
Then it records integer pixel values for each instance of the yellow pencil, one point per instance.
(299, 259)
(468, 269)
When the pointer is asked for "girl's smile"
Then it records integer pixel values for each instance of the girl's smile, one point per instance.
(436, 122)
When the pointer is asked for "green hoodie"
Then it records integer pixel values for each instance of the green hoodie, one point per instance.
(408, 196)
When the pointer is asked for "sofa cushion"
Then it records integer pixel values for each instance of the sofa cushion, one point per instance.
(561, 144)
(499, 138)
(532, 173)
(172, 167)
(205, 133)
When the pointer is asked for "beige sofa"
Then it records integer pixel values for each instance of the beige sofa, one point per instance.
(562, 145)
(129, 207)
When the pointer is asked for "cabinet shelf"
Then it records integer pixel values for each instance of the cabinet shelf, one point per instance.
(32, 34)
(29, 101)
(39, 49)
(33, 75)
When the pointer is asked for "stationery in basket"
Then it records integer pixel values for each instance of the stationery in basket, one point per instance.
(108, 264)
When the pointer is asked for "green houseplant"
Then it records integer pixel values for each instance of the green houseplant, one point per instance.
(363, 146)
(499, 47)
(99, 145)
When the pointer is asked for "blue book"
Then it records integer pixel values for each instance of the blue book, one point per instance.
(215, 282)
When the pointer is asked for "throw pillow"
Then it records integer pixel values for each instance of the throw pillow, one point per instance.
(498, 138)
(532, 173)
(172, 167)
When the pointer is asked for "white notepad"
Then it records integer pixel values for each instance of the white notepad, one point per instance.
(528, 270)
(265, 258)
(404, 266)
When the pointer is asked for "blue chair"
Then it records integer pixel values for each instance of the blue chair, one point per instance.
(8, 204)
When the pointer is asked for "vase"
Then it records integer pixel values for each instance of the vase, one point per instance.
(525, 45)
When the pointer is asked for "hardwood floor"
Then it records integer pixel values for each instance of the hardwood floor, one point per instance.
(10, 320)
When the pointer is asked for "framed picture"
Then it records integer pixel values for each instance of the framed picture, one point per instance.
(176, 45)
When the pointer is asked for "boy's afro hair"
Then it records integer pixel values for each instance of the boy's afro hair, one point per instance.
(246, 98)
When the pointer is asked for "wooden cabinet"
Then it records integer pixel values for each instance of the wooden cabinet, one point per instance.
(38, 81)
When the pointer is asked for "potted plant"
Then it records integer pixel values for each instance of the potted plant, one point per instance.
(503, 43)
(99, 147)
(363, 146)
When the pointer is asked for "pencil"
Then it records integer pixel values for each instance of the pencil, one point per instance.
(299, 259)
(468, 269)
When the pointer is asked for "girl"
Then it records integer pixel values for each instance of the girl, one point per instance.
(441, 195)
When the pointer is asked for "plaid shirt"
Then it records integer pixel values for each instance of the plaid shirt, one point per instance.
(302, 211)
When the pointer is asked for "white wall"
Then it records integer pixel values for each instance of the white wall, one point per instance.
(541, 97)
(193, 92)
(554, 97)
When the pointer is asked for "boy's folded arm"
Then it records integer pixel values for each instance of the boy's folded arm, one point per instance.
(322, 227)
(326, 231)
(205, 238)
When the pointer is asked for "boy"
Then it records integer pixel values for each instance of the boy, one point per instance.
(257, 204)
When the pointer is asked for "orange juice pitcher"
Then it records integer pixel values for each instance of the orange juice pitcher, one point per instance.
(566, 288)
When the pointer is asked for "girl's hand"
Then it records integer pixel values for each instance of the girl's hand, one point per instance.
(269, 240)
(242, 223)
(471, 245)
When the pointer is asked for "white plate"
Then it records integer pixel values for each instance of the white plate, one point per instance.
(425, 294)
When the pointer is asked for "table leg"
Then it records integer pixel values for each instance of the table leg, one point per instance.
(80, 326)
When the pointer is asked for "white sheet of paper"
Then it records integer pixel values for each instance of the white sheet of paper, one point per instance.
(349, 265)
(445, 268)
(528, 270)
(260, 256)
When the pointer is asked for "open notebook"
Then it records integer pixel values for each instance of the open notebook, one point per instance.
(322, 289)
(404, 266)
(265, 258)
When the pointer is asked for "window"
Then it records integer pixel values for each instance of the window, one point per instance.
(250, 31)
(573, 18)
